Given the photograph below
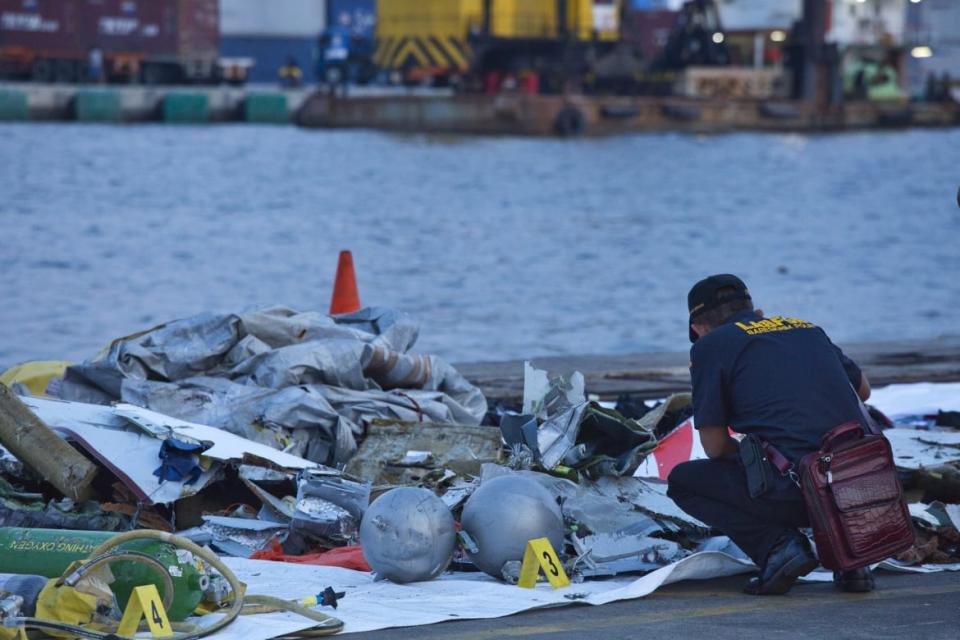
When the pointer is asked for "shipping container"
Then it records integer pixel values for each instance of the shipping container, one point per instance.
(269, 54)
(358, 17)
(273, 18)
(162, 39)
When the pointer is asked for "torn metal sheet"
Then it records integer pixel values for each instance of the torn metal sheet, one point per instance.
(544, 397)
(381, 458)
(117, 437)
(323, 520)
(653, 420)
(953, 512)
(593, 440)
(279, 510)
(610, 554)
(252, 535)
(132, 457)
(605, 514)
(417, 457)
(519, 429)
(920, 511)
(264, 474)
(350, 495)
(648, 496)
(330, 509)
(457, 495)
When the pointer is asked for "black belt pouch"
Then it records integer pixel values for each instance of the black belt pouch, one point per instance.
(759, 472)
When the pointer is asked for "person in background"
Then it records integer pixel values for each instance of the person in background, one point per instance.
(778, 380)
(95, 65)
(291, 75)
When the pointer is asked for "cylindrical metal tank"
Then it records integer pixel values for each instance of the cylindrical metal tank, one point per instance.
(408, 535)
(45, 552)
(49, 552)
(503, 515)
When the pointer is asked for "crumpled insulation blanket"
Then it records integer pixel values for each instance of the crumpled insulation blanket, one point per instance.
(305, 383)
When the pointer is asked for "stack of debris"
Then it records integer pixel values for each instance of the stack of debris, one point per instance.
(306, 383)
(249, 407)
(268, 434)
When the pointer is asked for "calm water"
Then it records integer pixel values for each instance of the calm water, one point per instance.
(502, 247)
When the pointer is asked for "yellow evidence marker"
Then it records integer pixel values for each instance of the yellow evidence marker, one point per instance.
(145, 603)
(540, 555)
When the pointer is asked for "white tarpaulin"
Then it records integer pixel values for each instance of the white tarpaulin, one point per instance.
(370, 605)
(921, 398)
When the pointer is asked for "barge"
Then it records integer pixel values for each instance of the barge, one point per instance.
(538, 115)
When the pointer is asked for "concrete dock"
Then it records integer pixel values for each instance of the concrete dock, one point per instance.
(21, 101)
(656, 375)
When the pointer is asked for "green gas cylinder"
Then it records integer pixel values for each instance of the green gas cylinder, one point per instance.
(49, 552)
(45, 552)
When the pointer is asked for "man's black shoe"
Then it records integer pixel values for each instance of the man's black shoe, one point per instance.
(856, 581)
(788, 561)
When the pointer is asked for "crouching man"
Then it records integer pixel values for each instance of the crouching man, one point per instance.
(777, 379)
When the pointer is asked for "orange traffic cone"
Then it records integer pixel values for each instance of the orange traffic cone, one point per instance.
(346, 298)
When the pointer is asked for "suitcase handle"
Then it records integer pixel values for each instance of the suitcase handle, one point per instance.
(846, 431)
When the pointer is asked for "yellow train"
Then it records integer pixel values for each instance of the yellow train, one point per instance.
(441, 39)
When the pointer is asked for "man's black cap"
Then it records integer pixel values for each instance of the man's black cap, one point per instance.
(705, 296)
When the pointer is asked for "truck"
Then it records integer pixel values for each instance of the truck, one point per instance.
(439, 40)
(155, 41)
(444, 42)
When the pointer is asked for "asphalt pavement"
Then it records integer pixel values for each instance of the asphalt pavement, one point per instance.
(904, 606)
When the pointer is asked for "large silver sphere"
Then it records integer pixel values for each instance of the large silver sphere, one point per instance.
(503, 515)
(408, 535)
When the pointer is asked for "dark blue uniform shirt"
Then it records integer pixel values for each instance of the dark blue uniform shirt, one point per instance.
(780, 378)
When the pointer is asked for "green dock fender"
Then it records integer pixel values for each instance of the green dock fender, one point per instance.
(266, 108)
(97, 105)
(184, 107)
(13, 105)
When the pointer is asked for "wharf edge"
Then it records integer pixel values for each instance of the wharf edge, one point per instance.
(430, 111)
(651, 376)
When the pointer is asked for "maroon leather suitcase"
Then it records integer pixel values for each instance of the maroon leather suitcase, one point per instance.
(854, 499)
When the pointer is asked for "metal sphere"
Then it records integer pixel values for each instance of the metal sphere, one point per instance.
(408, 535)
(503, 515)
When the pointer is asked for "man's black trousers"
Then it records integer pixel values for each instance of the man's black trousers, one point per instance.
(715, 492)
